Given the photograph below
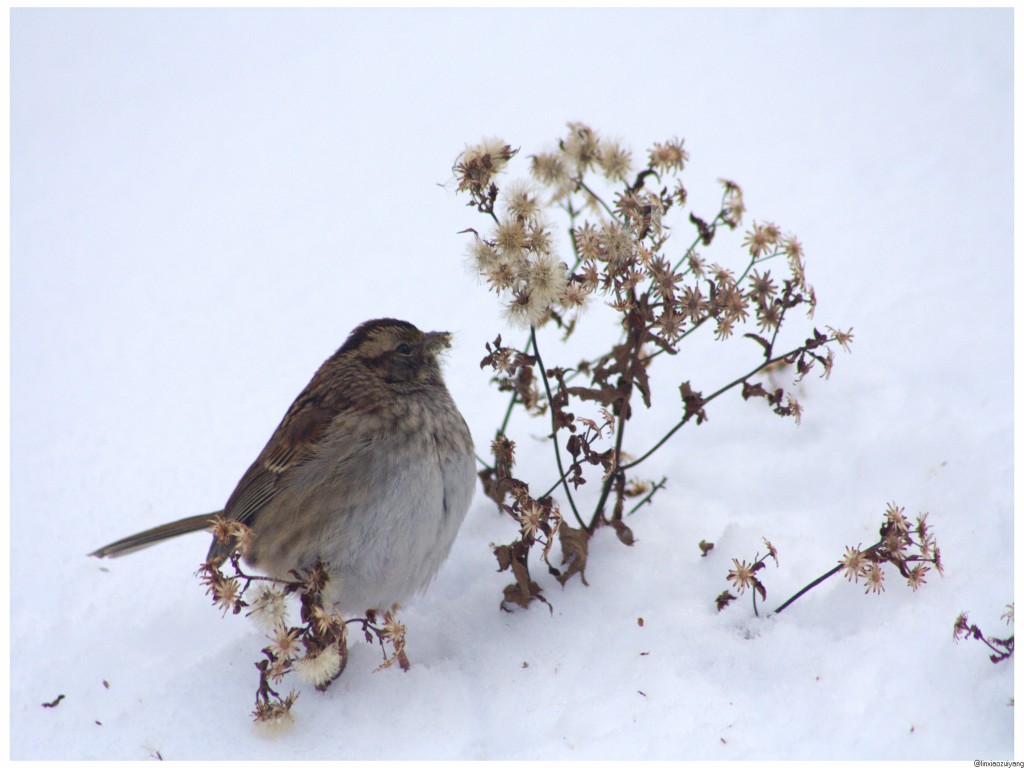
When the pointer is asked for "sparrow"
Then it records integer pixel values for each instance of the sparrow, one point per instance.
(370, 473)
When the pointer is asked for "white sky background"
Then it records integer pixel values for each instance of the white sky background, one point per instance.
(204, 203)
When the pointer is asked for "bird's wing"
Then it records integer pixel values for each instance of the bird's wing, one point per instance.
(293, 442)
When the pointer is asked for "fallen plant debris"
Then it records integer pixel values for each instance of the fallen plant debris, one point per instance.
(1002, 648)
(910, 549)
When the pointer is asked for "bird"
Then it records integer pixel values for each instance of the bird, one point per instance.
(370, 473)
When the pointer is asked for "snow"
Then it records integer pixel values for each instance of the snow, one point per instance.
(204, 203)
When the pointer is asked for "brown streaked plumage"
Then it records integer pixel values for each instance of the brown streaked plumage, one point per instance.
(370, 471)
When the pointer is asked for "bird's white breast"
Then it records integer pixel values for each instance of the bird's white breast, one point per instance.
(385, 511)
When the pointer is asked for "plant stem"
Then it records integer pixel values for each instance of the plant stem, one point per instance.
(607, 485)
(647, 498)
(818, 581)
(625, 379)
(554, 430)
(713, 225)
(594, 195)
(808, 588)
(711, 397)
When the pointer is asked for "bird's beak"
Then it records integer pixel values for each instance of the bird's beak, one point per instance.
(435, 341)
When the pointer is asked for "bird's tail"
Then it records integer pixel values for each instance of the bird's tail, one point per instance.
(154, 535)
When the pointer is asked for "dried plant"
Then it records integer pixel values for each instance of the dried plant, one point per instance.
(1002, 648)
(621, 221)
(744, 575)
(315, 648)
(910, 549)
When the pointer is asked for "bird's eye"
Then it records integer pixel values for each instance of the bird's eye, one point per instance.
(403, 349)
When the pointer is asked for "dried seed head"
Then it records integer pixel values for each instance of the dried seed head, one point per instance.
(520, 200)
(530, 518)
(792, 248)
(723, 277)
(669, 155)
(915, 578)
(478, 164)
(768, 317)
(539, 238)
(320, 668)
(733, 303)
(224, 590)
(545, 279)
(895, 516)
(741, 576)
(482, 256)
(762, 287)
(696, 262)
(588, 241)
(274, 716)
(671, 324)
(582, 146)
(614, 161)
(551, 170)
(854, 562)
(523, 311)
(732, 203)
(616, 244)
(510, 238)
(285, 642)
(268, 606)
(502, 276)
(693, 304)
(795, 409)
(327, 623)
(875, 577)
(843, 337)
(573, 296)
(761, 238)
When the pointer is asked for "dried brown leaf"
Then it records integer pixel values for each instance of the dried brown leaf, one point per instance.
(624, 533)
(575, 544)
(514, 595)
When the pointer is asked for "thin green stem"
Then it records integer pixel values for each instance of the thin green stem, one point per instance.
(754, 260)
(711, 397)
(689, 250)
(554, 429)
(647, 498)
(713, 226)
(551, 490)
(597, 197)
(808, 588)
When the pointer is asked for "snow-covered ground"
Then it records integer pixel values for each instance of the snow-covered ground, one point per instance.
(204, 203)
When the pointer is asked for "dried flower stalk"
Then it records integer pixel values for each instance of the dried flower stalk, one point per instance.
(315, 648)
(621, 222)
